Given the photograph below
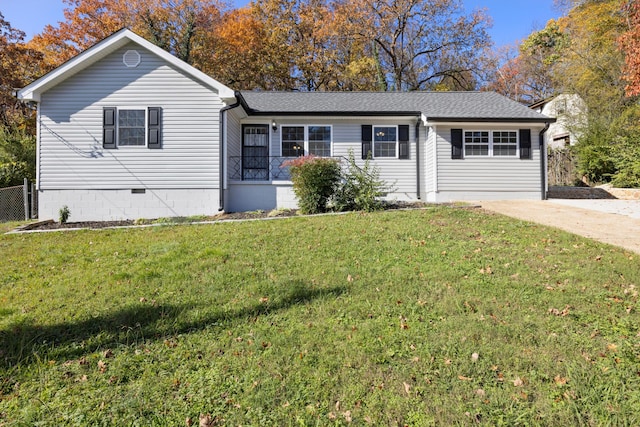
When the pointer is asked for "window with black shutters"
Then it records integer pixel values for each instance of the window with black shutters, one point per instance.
(490, 143)
(385, 141)
(131, 127)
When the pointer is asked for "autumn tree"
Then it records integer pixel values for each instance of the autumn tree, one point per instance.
(356, 60)
(630, 43)
(330, 55)
(592, 66)
(178, 26)
(18, 66)
(288, 37)
(541, 56)
(235, 52)
(505, 75)
(424, 44)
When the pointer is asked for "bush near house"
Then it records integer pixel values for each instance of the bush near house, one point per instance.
(361, 187)
(321, 183)
(315, 180)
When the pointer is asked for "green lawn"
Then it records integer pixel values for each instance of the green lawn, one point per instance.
(441, 316)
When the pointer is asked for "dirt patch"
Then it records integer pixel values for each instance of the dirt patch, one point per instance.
(611, 228)
(225, 216)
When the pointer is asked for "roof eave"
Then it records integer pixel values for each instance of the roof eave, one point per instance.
(492, 119)
(334, 113)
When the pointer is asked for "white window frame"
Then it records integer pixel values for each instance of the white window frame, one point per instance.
(146, 125)
(373, 142)
(490, 152)
(517, 143)
(306, 137)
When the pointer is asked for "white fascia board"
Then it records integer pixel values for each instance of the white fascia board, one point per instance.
(79, 62)
(103, 48)
(484, 123)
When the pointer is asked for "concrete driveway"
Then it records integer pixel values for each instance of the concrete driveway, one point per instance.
(616, 222)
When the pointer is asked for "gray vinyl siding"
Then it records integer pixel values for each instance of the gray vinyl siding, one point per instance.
(427, 157)
(234, 131)
(71, 153)
(487, 174)
(399, 174)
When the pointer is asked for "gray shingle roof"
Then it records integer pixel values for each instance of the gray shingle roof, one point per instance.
(461, 106)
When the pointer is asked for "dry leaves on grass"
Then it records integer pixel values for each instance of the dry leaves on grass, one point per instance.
(560, 381)
(205, 420)
(562, 313)
(407, 388)
(486, 270)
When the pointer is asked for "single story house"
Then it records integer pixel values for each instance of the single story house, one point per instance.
(126, 130)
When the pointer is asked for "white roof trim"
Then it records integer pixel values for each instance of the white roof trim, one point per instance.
(101, 49)
(490, 123)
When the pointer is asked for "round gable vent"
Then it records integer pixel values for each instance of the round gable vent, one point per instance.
(131, 58)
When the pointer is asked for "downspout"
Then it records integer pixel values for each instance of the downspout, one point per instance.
(543, 161)
(418, 158)
(38, 144)
(223, 137)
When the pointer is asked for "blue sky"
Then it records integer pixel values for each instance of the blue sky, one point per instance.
(513, 20)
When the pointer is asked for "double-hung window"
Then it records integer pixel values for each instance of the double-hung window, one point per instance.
(309, 139)
(131, 127)
(292, 141)
(491, 143)
(476, 143)
(320, 141)
(505, 143)
(385, 140)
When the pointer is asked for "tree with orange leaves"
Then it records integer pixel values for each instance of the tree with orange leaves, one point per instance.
(178, 26)
(630, 43)
(242, 54)
(18, 65)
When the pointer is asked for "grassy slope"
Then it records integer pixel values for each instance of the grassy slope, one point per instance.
(362, 318)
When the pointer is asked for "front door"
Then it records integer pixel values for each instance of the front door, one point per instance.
(255, 152)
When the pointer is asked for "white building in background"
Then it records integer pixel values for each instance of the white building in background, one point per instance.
(569, 110)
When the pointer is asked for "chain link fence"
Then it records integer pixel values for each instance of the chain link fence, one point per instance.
(18, 203)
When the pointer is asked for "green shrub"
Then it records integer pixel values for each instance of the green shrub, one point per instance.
(64, 214)
(17, 156)
(315, 181)
(608, 149)
(594, 152)
(628, 163)
(361, 187)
